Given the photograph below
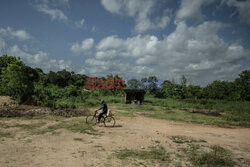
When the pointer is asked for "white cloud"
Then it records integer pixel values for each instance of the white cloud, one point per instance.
(111, 42)
(197, 52)
(140, 10)
(21, 34)
(80, 23)
(191, 9)
(39, 59)
(30, 56)
(18, 34)
(96, 67)
(112, 5)
(34, 59)
(242, 7)
(136, 46)
(83, 47)
(55, 14)
(50, 7)
(82, 71)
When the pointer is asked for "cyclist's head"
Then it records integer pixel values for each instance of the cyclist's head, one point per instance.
(102, 102)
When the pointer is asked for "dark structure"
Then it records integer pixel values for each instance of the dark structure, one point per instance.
(134, 96)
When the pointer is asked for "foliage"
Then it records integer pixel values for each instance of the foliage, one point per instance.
(64, 78)
(64, 89)
(157, 153)
(218, 156)
(6, 60)
(218, 90)
(17, 81)
(242, 84)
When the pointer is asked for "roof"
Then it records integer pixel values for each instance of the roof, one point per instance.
(134, 91)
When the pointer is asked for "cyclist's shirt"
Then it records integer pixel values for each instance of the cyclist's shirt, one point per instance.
(104, 108)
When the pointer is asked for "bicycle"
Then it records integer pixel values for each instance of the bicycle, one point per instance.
(108, 120)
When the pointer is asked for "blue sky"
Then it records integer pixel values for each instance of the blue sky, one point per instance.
(203, 40)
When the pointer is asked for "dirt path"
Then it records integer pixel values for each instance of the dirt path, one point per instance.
(76, 149)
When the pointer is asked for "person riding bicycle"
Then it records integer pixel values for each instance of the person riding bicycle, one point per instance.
(104, 108)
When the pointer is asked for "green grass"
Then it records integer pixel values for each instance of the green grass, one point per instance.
(170, 109)
(78, 139)
(6, 134)
(38, 117)
(28, 141)
(77, 125)
(217, 156)
(236, 113)
(29, 127)
(156, 153)
(32, 128)
(80, 126)
(219, 105)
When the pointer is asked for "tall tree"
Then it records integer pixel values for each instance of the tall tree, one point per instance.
(243, 84)
(17, 81)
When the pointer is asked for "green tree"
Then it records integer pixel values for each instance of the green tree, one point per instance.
(168, 88)
(143, 83)
(243, 84)
(132, 84)
(152, 80)
(194, 91)
(17, 81)
(220, 90)
(182, 88)
(6, 60)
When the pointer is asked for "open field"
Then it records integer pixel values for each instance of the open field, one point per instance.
(135, 141)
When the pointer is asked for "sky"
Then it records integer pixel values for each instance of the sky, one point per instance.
(205, 40)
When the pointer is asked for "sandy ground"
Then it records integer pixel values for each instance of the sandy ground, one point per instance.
(99, 150)
(65, 148)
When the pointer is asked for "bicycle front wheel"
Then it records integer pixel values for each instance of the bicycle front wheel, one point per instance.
(91, 120)
(109, 121)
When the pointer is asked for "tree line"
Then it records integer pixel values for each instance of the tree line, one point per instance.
(64, 88)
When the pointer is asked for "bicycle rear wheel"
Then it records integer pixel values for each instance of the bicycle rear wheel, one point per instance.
(91, 120)
(109, 121)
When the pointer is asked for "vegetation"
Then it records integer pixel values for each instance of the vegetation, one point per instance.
(25, 83)
(216, 156)
(6, 134)
(220, 102)
(184, 139)
(157, 153)
(182, 111)
(76, 125)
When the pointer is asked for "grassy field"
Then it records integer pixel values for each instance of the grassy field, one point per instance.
(215, 112)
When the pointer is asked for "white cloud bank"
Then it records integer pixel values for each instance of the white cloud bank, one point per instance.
(197, 52)
(140, 10)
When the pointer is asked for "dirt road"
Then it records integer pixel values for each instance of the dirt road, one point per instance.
(66, 148)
